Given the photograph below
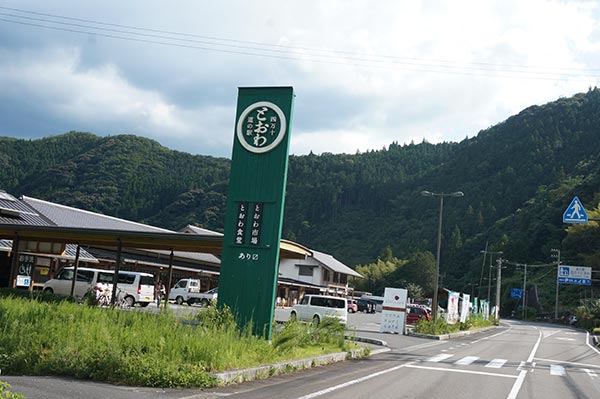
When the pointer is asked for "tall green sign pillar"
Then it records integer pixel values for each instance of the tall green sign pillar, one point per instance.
(250, 257)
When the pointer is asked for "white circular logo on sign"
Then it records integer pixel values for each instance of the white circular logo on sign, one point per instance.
(261, 127)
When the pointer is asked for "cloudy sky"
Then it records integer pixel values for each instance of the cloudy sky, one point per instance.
(365, 73)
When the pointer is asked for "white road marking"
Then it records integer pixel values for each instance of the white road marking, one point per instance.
(352, 382)
(590, 373)
(439, 358)
(496, 363)
(535, 348)
(565, 339)
(549, 333)
(569, 363)
(517, 385)
(492, 336)
(521, 366)
(587, 342)
(414, 366)
(555, 369)
(465, 361)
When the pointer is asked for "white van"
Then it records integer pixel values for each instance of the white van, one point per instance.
(316, 307)
(138, 286)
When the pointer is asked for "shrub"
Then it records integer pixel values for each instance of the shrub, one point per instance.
(6, 394)
(440, 326)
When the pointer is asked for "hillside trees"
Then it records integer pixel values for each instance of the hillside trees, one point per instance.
(518, 176)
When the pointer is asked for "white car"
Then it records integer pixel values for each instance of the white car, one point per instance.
(139, 287)
(316, 307)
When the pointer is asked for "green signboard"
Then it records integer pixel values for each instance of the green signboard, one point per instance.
(250, 257)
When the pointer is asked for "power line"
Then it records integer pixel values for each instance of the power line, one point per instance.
(296, 48)
(249, 48)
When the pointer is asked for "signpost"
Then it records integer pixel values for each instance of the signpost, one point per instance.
(393, 315)
(574, 275)
(516, 293)
(250, 257)
(575, 212)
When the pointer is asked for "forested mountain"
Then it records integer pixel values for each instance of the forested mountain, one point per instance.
(517, 176)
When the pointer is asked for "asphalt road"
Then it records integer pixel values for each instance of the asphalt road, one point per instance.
(516, 360)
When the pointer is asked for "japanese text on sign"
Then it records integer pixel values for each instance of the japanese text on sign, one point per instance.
(240, 230)
(248, 256)
(256, 223)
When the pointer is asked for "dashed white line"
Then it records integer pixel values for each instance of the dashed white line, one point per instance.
(465, 361)
(556, 369)
(439, 358)
(496, 363)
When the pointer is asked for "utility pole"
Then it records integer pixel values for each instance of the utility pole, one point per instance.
(489, 293)
(555, 253)
(498, 286)
(484, 252)
(524, 292)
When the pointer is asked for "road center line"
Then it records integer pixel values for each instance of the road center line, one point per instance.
(352, 382)
(414, 366)
(535, 348)
(519, 382)
(517, 385)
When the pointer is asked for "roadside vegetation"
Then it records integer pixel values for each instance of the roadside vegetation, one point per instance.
(439, 326)
(5, 392)
(39, 337)
(588, 316)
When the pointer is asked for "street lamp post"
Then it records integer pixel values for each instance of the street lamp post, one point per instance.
(439, 242)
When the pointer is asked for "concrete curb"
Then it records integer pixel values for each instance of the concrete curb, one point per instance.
(270, 370)
(444, 337)
(373, 341)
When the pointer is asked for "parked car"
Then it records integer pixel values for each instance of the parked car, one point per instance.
(139, 287)
(352, 306)
(316, 307)
(188, 290)
(414, 313)
(365, 306)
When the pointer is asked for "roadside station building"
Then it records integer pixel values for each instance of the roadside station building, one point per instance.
(47, 236)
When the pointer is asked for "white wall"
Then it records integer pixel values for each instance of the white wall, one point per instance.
(288, 268)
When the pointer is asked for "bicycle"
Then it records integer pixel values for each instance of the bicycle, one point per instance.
(104, 297)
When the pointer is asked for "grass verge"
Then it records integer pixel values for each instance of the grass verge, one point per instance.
(143, 349)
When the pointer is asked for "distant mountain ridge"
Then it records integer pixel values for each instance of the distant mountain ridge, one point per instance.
(517, 177)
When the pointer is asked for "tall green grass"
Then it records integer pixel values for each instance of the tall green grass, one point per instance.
(140, 348)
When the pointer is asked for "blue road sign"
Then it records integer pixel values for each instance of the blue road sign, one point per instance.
(575, 212)
(578, 281)
(516, 293)
(579, 275)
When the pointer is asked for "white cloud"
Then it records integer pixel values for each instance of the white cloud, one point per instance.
(395, 71)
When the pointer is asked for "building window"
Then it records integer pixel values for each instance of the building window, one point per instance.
(305, 271)
(325, 275)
